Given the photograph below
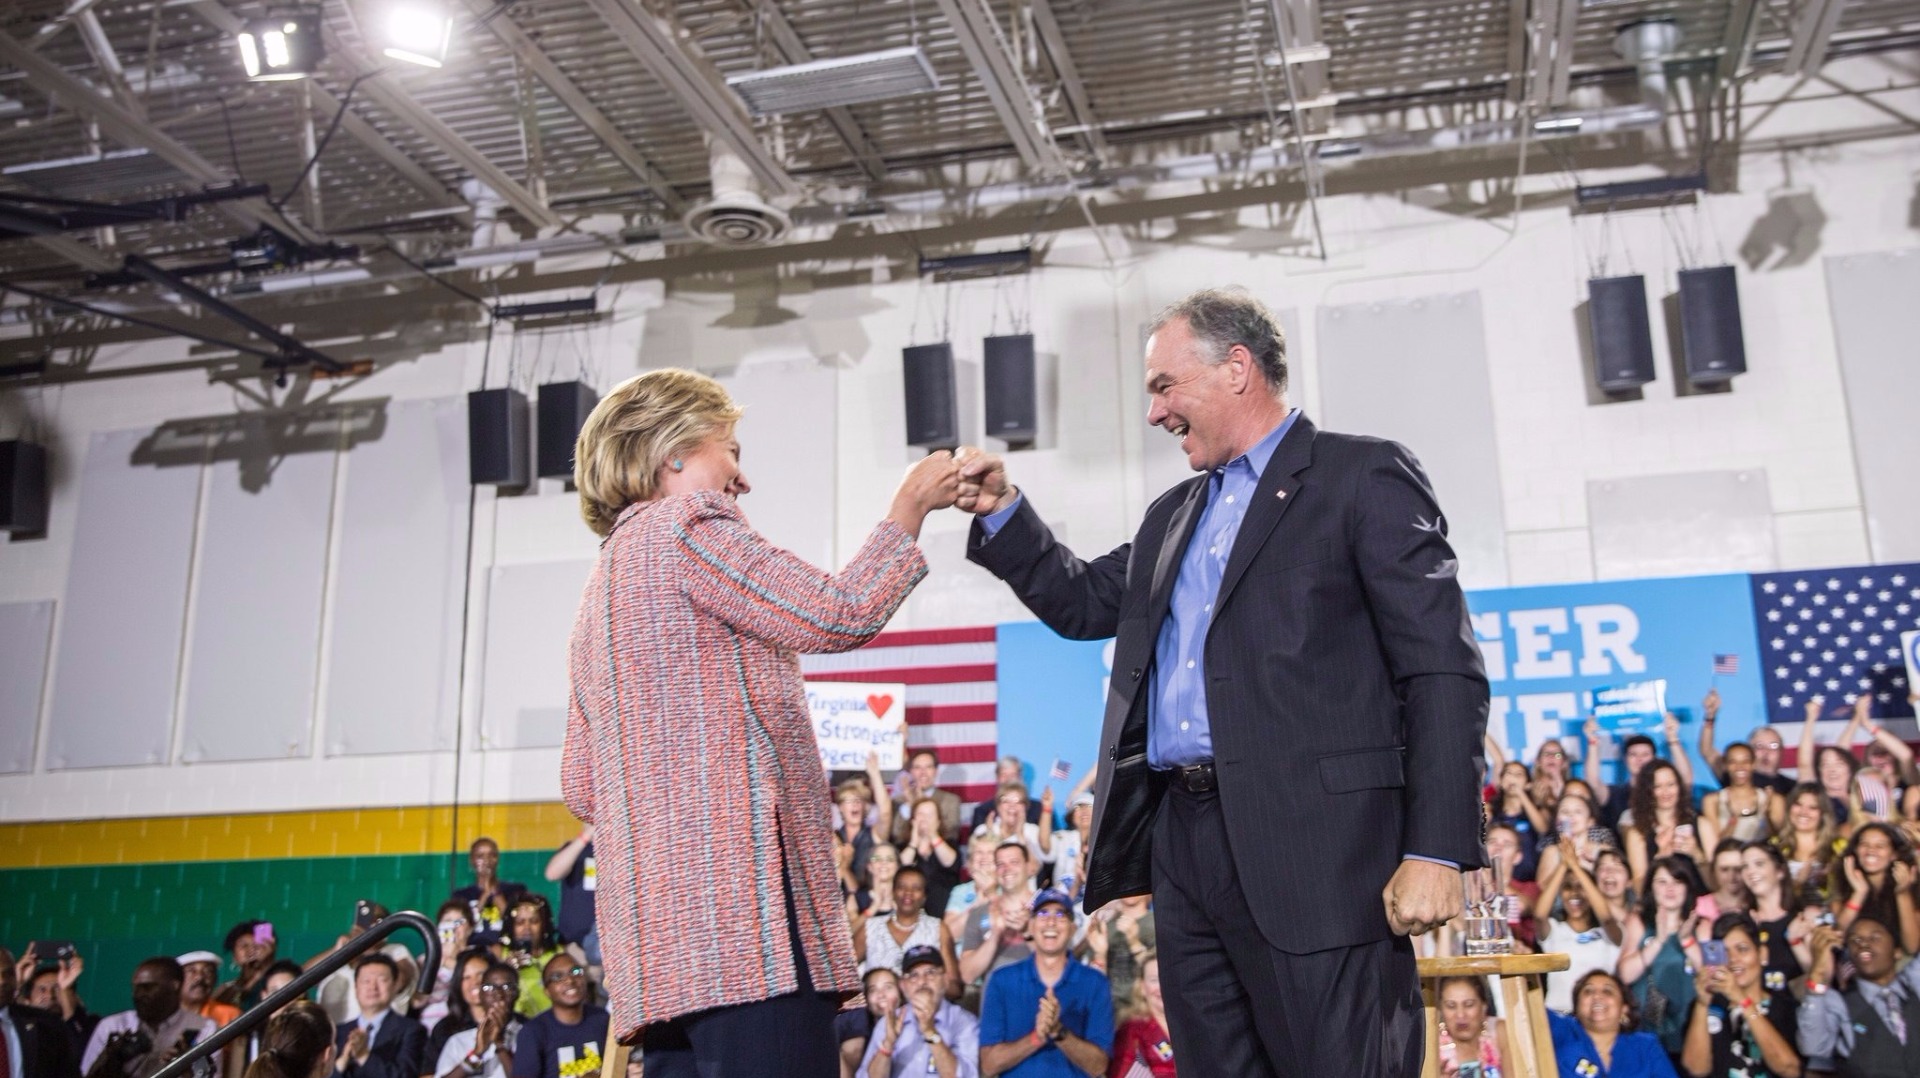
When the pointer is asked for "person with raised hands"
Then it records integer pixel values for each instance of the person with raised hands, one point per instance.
(1876, 880)
(1579, 924)
(1655, 961)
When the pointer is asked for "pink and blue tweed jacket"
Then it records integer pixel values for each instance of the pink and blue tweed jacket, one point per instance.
(690, 749)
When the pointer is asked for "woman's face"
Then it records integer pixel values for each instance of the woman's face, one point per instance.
(1082, 817)
(926, 816)
(454, 932)
(909, 893)
(883, 992)
(980, 868)
(1740, 767)
(1744, 961)
(1601, 1008)
(853, 810)
(470, 976)
(1668, 893)
(1835, 775)
(1150, 984)
(1882, 761)
(1551, 761)
(1804, 813)
(1574, 898)
(1727, 871)
(882, 864)
(1613, 876)
(275, 982)
(526, 921)
(1759, 873)
(714, 464)
(1503, 848)
(1873, 851)
(1666, 789)
(1462, 1011)
(1574, 816)
(1513, 776)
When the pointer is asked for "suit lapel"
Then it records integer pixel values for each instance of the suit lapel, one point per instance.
(1166, 568)
(1272, 497)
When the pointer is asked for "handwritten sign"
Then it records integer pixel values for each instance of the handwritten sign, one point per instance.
(852, 719)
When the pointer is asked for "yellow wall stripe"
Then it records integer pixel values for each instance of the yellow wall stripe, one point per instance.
(252, 836)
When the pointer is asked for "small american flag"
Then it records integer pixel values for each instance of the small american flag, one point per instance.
(1726, 664)
(1060, 770)
(1138, 1070)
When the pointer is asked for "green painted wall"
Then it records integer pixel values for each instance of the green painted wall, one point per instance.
(118, 915)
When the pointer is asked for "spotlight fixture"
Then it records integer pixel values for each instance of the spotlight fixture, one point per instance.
(419, 33)
(282, 46)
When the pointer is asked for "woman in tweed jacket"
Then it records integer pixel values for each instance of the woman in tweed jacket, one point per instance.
(689, 746)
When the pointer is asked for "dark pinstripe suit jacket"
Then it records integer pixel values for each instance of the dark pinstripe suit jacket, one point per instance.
(1344, 688)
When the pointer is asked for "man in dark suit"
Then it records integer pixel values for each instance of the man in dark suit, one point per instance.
(379, 1043)
(1290, 758)
(36, 1043)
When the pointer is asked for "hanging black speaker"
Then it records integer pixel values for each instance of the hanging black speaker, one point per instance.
(1622, 336)
(1710, 325)
(563, 410)
(1012, 409)
(23, 488)
(497, 438)
(933, 415)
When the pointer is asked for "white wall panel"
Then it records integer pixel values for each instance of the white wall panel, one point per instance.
(530, 610)
(1877, 323)
(25, 632)
(393, 666)
(254, 651)
(117, 663)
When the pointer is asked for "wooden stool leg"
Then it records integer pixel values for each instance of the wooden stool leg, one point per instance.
(1542, 1031)
(614, 1059)
(1520, 1035)
(1431, 1068)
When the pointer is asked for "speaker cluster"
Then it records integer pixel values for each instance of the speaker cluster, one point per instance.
(1010, 387)
(23, 488)
(499, 422)
(1714, 348)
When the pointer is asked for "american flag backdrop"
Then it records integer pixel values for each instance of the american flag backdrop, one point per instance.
(1835, 633)
(950, 675)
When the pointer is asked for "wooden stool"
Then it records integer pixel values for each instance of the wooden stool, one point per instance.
(1523, 993)
(614, 1059)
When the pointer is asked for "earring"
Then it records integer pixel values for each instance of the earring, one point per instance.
(676, 464)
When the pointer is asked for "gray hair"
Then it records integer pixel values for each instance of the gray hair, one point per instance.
(1220, 318)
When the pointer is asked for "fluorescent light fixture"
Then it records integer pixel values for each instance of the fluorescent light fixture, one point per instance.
(1345, 148)
(837, 81)
(283, 46)
(1548, 124)
(419, 34)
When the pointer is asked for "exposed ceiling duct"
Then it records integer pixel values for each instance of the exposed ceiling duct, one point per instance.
(837, 81)
(736, 215)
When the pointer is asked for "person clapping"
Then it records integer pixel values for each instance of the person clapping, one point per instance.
(926, 1033)
(1048, 1014)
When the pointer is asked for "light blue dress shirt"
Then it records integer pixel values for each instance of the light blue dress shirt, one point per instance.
(11, 1035)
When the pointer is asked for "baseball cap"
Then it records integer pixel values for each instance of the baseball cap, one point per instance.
(1083, 799)
(1051, 896)
(920, 955)
(191, 957)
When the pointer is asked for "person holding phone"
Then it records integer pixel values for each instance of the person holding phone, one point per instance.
(1664, 821)
(534, 943)
(1736, 1026)
(253, 948)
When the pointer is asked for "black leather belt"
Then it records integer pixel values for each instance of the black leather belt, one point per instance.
(1195, 778)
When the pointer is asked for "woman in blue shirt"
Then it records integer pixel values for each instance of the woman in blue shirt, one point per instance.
(1597, 1041)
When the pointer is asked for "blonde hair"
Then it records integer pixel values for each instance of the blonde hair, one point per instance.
(635, 429)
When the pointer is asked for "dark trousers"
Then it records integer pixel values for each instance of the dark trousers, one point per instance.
(788, 1036)
(1239, 1008)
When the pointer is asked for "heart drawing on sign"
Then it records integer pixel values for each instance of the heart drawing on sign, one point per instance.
(879, 703)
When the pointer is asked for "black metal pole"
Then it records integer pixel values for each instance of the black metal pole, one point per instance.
(257, 1015)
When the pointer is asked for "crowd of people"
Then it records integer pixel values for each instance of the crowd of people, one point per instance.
(1760, 925)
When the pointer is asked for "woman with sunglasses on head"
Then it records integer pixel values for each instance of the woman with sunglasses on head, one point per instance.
(1737, 1027)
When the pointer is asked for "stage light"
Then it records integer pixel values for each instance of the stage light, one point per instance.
(282, 46)
(419, 33)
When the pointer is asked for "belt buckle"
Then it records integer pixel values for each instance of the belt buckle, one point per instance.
(1199, 778)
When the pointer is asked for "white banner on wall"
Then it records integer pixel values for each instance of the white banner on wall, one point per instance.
(853, 719)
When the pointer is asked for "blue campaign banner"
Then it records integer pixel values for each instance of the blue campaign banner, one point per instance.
(1547, 647)
(1052, 695)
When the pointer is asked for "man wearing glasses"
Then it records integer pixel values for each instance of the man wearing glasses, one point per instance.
(924, 1033)
(1048, 1015)
(564, 1041)
(487, 1050)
